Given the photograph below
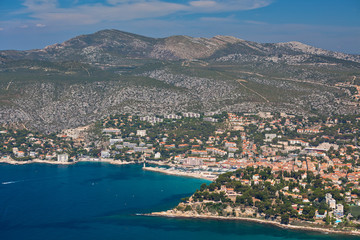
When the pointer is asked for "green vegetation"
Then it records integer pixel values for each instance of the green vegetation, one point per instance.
(355, 211)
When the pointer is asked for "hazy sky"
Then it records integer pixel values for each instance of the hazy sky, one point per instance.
(328, 24)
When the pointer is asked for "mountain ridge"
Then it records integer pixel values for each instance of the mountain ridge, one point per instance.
(178, 47)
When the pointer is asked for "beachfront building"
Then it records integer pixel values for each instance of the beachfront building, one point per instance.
(105, 154)
(20, 154)
(192, 161)
(339, 211)
(63, 157)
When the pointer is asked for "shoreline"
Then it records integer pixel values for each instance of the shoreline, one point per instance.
(256, 220)
(108, 160)
(171, 214)
(14, 162)
(178, 173)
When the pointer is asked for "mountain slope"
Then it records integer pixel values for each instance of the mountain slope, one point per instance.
(90, 76)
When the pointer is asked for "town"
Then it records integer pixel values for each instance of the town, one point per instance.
(266, 165)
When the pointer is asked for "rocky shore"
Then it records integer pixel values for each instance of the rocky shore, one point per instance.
(172, 213)
(15, 162)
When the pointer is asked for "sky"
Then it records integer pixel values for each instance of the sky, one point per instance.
(328, 24)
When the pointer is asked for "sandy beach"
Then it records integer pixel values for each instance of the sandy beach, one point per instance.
(160, 163)
(178, 173)
(107, 160)
(170, 213)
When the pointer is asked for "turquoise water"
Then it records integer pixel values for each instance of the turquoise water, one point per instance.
(100, 201)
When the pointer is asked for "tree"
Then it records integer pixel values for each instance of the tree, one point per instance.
(240, 199)
(203, 187)
(212, 187)
(327, 219)
(285, 218)
(185, 199)
(187, 208)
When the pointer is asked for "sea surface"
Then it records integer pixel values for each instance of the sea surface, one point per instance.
(101, 201)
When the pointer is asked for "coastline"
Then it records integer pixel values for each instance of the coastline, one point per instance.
(256, 220)
(172, 214)
(14, 162)
(178, 173)
(108, 160)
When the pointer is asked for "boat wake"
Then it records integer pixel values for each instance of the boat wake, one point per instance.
(10, 182)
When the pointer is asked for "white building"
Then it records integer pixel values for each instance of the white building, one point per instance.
(105, 154)
(15, 150)
(157, 155)
(141, 133)
(32, 154)
(64, 157)
(140, 149)
(332, 203)
(115, 141)
(216, 151)
(191, 115)
(298, 142)
(230, 144)
(172, 116)
(269, 137)
(20, 154)
(111, 130)
(210, 119)
(265, 114)
(339, 211)
(129, 144)
(232, 149)
(210, 113)
(151, 119)
(328, 196)
(193, 161)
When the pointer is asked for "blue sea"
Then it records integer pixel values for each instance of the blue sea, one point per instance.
(101, 201)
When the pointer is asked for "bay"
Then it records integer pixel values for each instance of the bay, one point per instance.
(101, 201)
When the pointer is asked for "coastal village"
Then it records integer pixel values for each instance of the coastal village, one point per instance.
(274, 166)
